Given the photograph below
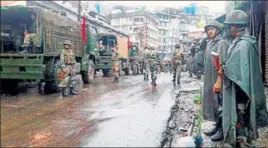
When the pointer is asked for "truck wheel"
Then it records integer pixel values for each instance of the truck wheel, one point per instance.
(89, 74)
(11, 87)
(105, 72)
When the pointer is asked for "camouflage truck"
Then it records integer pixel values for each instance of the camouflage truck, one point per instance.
(104, 60)
(41, 65)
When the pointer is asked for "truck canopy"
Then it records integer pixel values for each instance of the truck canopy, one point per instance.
(15, 20)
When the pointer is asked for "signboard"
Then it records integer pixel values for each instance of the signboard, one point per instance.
(13, 3)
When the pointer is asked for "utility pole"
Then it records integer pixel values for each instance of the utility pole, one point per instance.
(79, 11)
(140, 34)
(145, 31)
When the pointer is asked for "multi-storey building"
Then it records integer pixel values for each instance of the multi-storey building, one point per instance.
(142, 27)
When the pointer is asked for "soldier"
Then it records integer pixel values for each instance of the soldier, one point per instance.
(153, 62)
(133, 60)
(212, 101)
(31, 33)
(68, 59)
(115, 63)
(244, 107)
(146, 66)
(177, 59)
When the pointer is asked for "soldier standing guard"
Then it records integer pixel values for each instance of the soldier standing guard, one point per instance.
(115, 60)
(146, 66)
(244, 105)
(153, 62)
(68, 67)
(177, 63)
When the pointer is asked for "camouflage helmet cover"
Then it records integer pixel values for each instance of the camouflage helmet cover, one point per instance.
(237, 17)
(177, 46)
(213, 23)
(67, 42)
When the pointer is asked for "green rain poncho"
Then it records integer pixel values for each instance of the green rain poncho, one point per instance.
(210, 106)
(242, 68)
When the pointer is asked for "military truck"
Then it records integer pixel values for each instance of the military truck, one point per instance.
(42, 63)
(104, 60)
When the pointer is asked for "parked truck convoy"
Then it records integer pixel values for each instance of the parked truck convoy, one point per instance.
(104, 61)
(41, 62)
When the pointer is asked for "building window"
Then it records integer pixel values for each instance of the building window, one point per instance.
(138, 19)
(129, 28)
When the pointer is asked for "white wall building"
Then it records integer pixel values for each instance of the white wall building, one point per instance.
(169, 33)
(140, 26)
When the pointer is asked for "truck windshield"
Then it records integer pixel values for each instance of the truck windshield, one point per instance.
(14, 22)
(108, 42)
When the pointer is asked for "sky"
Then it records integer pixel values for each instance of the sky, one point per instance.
(212, 5)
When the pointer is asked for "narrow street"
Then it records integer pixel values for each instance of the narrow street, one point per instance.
(130, 113)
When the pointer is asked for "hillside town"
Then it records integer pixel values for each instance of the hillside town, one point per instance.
(134, 73)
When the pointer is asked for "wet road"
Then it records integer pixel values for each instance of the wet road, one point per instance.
(131, 113)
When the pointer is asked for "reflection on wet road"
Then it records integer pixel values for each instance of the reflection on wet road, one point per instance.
(131, 113)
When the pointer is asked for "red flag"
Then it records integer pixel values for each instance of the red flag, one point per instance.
(216, 60)
(84, 33)
(129, 43)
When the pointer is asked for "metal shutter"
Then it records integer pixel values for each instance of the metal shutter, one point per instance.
(266, 43)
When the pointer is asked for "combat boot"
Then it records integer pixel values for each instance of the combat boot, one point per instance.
(64, 93)
(218, 136)
(211, 132)
(191, 75)
(154, 83)
(116, 80)
(72, 91)
(174, 79)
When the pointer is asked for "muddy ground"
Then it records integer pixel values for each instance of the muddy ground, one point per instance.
(132, 113)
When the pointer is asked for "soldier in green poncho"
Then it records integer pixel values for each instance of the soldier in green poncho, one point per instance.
(244, 107)
(212, 99)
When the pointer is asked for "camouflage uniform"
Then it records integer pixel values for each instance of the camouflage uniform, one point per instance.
(134, 60)
(31, 34)
(115, 64)
(153, 62)
(177, 64)
(68, 68)
(146, 66)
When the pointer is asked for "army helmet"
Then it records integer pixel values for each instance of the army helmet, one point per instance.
(213, 23)
(236, 17)
(177, 46)
(67, 42)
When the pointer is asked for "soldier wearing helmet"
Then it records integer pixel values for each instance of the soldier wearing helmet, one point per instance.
(244, 99)
(115, 64)
(177, 61)
(146, 66)
(212, 92)
(68, 65)
(154, 60)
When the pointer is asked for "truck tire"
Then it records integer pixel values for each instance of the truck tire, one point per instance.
(105, 72)
(89, 74)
